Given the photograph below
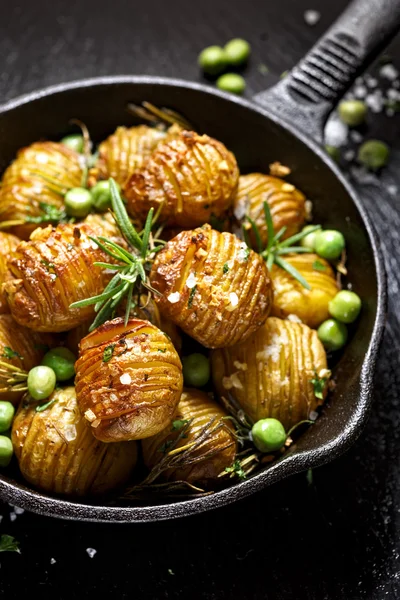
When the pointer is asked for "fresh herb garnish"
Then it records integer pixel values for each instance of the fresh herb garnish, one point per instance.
(50, 214)
(237, 469)
(131, 265)
(162, 350)
(108, 353)
(10, 353)
(9, 544)
(318, 266)
(43, 407)
(191, 296)
(319, 384)
(276, 248)
(225, 268)
(178, 424)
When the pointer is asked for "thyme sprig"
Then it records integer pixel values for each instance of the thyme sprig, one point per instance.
(275, 248)
(131, 266)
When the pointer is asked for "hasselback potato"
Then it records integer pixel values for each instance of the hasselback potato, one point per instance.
(51, 271)
(128, 380)
(213, 287)
(291, 297)
(20, 347)
(57, 453)
(193, 177)
(196, 406)
(286, 203)
(270, 373)
(125, 151)
(41, 174)
(8, 243)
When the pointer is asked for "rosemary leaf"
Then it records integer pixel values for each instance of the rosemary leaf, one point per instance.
(124, 223)
(256, 232)
(292, 271)
(95, 299)
(299, 236)
(270, 224)
(146, 232)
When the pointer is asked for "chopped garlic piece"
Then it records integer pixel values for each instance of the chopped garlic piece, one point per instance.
(288, 187)
(240, 366)
(276, 169)
(125, 379)
(174, 297)
(232, 381)
(89, 415)
(191, 281)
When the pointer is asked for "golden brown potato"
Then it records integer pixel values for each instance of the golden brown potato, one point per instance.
(53, 270)
(57, 453)
(42, 173)
(192, 176)
(213, 287)
(128, 380)
(286, 203)
(292, 298)
(195, 405)
(270, 373)
(125, 151)
(8, 243)
(22, 348)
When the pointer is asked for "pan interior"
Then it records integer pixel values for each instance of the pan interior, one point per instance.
(257, 141)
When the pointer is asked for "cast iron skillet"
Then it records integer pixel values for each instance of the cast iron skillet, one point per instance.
(285, 124)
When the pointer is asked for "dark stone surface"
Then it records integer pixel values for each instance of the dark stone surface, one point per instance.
(334, 539)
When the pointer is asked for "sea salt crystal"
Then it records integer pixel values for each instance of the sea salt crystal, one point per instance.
(371, 82)
(313, 416)
(174, 297)
(356, 137)
(312, 17)
(389, 72)
(70, 433)
(233, 299)
(125, 379)
(41, 158)
(53, 561)
(335, 132)
(349, 155)
(13, 516)
(360, 91)
(89, 415)
(18, 510)
(243, 252)
(392, 189)
(294, 318)
(91, 552)
(375, 101)
(349, 286)
(240, 210)
(191, 281)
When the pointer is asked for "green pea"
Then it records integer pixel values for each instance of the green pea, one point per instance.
(212, 60)
(329, 244)
(333, 152)
(74, 142)
(237, 52)
(231, 82)
(6, 415)
(101, 195)
(373, 154)
(268, 435)
(62, 361)
(41, 382)
(332, 334)
(345, 306)
(78, 202)
(196, 369)
(309, 240)
(6, 451)
(352, 112)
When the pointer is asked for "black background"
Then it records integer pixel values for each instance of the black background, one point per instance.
(335, 539)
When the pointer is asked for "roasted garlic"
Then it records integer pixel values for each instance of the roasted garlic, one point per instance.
(286, 203)
(211, 457)
(40, 175)
(271, 373)
(51, 271)
(22, 348)
(191, 178)
(292, 298)
(8, 243)
(128, 380)
(125, 151)
(57, 453)
(212, 286)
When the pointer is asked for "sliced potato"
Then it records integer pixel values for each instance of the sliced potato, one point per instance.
(8, 243)
(270, 373)
(57, 453)
(212, 286)
(128, 380)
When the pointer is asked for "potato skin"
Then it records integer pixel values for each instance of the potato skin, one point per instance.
(51, 271)
(53, 462)
(232, 296)
(195, 404)
(31, 346)
(290, 297)
(286, 203)
(8, 243)
(125, 151)
(270, 373)
(145, 402)
(192, 176)
(41, 173)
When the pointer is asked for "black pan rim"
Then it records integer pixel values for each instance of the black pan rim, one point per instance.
(289, 465)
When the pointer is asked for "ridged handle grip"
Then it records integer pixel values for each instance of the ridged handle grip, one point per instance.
(311, 90)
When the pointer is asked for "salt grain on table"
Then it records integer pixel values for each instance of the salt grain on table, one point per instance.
(389, 72)
(312, 17)
(91, 552)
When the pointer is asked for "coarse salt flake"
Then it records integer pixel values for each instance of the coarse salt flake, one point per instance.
(70, 433)
(125, 379)
(174, 297)
(389, 72)
(313, 416)
(312, 17)
(233, 301)
(191, 281)
(53, 561)
(89, 415)
(91, 552)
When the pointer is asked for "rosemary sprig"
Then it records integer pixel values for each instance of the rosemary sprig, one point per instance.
(131, 265)
(155, 115)
(276, 248)
(12, 378)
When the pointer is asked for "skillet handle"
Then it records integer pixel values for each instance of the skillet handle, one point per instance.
(307, 95)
